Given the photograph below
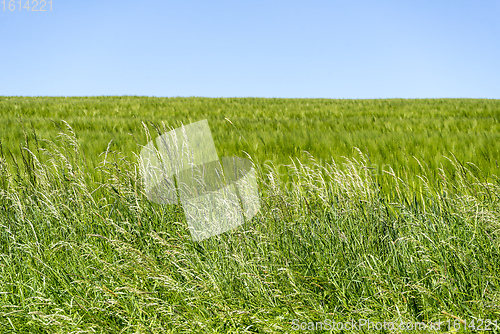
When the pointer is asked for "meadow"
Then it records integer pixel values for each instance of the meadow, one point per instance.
(385, 210)
(389, 132)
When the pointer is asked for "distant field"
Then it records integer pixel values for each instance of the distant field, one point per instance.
(83, 250)
(389, 132)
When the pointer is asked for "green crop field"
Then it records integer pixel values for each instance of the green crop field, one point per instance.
(389, 132)
(380, 210)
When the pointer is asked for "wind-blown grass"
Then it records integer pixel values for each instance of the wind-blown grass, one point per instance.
(82, 256)
(388, 131)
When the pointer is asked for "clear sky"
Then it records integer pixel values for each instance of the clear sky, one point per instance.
(292, 49)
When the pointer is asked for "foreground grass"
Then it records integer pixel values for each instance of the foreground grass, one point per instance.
(77, 256)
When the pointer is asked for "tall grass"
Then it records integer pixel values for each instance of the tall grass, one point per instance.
(96, 256)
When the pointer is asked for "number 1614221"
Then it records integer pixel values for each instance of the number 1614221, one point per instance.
(27, 5)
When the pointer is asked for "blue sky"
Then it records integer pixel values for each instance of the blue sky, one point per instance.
(291, 49)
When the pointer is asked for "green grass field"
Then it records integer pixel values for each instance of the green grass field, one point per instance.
(83, 250)
(389, 132)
